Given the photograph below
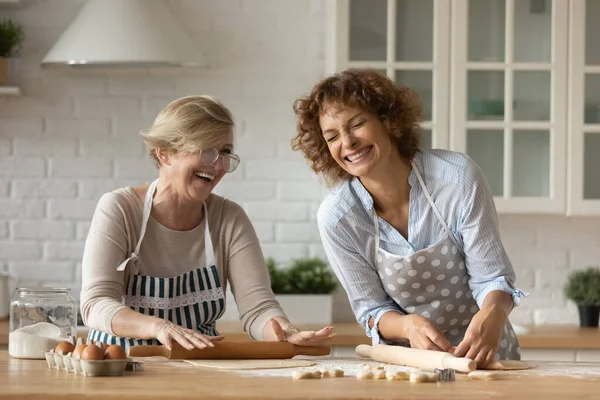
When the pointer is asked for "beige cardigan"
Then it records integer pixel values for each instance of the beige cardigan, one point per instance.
(164, 253)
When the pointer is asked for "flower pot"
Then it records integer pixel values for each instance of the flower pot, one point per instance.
(588, 316)
(3, 70)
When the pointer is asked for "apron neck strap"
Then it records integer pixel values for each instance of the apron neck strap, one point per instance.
(208, 246)
(429, 200)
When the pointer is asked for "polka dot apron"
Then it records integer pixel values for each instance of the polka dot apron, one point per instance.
(194, 300)
(433, 282)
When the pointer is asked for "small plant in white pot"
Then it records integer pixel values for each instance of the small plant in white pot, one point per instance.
(583, 288)
(11, 39)
(304, 290)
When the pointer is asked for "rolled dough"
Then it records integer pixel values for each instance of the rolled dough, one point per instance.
(251, 364)
(507, 365)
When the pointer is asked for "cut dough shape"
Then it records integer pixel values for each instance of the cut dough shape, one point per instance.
(332, 373)
(251, 364)
(484, 375)
(364, 375)
(397, 376)
(379, 374)
(302, 375)
(420, 377)
(507, 365)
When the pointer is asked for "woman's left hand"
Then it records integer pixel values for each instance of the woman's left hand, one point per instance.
(482, 336)
(301, 338)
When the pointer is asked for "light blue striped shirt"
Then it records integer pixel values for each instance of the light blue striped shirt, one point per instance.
(461, 194)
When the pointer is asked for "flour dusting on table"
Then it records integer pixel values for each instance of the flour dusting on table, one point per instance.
(352, 366)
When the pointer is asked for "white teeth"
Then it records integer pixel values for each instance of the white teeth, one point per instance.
(204, 175)
(362, 153)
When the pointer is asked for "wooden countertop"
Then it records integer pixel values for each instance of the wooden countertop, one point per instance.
(539, 337)
(164, 380)
(349, 334)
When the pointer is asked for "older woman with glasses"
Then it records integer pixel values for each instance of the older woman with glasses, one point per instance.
(158, 257)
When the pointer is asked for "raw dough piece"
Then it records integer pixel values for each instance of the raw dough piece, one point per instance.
(372, 368)
(483, 375)
(332, 373)
(251, 364)
(423, 376)
(507, 365)
(306, 375)
(379, 374)
(397, 376)
(364, 375)
(337, 373)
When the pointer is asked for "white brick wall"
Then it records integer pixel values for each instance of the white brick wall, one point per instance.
(74, 136)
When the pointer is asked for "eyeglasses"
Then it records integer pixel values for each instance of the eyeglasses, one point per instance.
(211, 155)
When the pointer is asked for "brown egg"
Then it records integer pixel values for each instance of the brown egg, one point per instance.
(104, 345)
(65, 347)
(78, 349)
(92, 352)
(114, 352)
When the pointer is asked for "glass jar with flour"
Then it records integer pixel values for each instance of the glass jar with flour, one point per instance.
(40, 318)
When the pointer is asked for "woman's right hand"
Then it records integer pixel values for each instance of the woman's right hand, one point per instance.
(167, 332)
(424, 334)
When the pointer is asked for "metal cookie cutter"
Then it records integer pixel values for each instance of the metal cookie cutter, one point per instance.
(134, 366)
(446, 375)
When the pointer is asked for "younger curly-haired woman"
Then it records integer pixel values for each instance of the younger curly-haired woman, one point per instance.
(412, 234)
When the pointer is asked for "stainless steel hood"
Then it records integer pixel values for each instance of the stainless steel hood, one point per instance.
(124, 33)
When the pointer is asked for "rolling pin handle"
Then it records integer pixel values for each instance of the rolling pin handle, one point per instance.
(148, 351)
(364, 350)
(312, 350)
(459, 364)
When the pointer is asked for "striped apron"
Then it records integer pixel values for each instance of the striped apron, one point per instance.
(193, 300)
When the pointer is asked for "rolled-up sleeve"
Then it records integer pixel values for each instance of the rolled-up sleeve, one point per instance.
(486, 259)
(356, 273)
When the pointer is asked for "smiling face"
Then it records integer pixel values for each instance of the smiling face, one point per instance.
(357, 140)
(190, 177)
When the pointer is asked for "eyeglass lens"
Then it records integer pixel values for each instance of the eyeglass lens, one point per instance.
(211, 155)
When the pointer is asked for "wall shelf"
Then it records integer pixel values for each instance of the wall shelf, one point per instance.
(9, 90)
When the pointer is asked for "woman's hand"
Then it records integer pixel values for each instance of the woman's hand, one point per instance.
(424, 334)
(482, 336)
(167, 332)
(301, 338)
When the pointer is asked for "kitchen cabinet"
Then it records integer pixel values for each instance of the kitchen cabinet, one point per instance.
(584, 108)
(406, 39)
(509, 82)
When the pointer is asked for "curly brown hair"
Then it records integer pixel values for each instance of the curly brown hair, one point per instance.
(398, 106)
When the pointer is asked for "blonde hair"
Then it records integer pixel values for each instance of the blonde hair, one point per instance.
(188, 124)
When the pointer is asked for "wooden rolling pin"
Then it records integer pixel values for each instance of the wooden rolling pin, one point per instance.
(243, 350)
(406, 356)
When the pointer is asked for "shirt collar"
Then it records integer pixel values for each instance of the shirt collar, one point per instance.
(365, 197)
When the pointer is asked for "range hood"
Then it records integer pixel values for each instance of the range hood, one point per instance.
(124, 33)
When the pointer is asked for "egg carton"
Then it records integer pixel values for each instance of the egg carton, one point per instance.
(64, 362)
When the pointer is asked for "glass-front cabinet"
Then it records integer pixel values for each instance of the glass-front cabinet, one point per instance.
(513, 83)
(584, 108)
(407, 40)
(508, 99)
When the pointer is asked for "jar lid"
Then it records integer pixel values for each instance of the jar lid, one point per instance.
(42, 290)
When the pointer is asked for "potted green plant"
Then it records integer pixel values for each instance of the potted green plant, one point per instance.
(304, 289)
(11, 39)
(583, 288)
